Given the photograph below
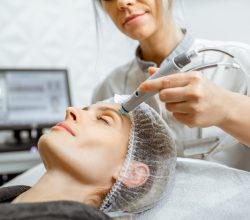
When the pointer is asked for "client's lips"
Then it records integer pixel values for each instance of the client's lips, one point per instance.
(66, 127)
(131, 17)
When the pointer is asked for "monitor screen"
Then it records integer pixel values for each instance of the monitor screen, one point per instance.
(33, 98)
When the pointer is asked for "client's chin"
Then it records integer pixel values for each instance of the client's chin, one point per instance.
(51, 150)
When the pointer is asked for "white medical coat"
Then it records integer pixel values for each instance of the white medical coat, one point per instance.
(211, 143)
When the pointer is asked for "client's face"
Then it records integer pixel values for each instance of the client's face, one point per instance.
(90, 144)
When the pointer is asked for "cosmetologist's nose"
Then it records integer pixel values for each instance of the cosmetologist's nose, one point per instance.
(125, 3)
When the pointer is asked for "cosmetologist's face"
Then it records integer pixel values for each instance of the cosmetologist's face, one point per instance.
(90, 144)
(138, 19)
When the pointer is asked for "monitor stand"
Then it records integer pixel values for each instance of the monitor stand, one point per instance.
(23, 140)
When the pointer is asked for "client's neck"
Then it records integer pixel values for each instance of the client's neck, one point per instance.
(55, 186)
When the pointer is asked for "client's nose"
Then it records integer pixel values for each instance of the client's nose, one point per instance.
(72, 114)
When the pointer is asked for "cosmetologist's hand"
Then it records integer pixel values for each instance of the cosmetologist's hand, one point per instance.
(193, 99)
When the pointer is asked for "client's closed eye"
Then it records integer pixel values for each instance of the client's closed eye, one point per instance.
(105, 118)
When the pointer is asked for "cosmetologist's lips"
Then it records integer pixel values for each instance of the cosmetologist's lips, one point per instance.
(131, 17)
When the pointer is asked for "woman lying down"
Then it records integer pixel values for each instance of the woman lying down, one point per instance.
(97, 162)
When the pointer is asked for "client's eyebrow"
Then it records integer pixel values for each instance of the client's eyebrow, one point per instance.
(85, 108)
(106, 108)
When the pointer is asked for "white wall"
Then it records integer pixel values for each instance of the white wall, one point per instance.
(218, 19)
(57, 33)
(61, 33)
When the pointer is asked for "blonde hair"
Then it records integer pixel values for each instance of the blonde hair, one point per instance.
(168, 6)
(170, 3)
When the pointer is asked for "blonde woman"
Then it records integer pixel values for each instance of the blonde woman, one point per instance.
(208, 110)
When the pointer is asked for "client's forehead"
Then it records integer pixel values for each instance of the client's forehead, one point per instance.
(103, 105)
(114, 106)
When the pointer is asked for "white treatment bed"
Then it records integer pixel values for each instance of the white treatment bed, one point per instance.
(202, 190)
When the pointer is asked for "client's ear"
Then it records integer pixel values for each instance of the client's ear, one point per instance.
(137, 174)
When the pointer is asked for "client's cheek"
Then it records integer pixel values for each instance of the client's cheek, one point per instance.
(108, 159)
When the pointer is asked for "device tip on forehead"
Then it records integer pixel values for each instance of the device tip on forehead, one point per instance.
(122, 112)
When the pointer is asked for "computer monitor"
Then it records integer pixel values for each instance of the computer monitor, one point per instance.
(33, 98)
